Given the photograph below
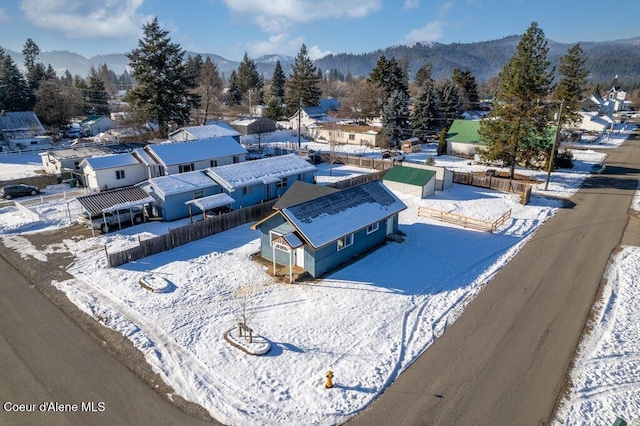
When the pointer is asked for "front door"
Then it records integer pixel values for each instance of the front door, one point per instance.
(299, 257)
(389, 225)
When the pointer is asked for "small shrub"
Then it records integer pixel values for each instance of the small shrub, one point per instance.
(564, 159)
(430, 161)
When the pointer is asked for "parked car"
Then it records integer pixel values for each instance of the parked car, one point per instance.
(113, 220)
(598, 169)
(11, 191)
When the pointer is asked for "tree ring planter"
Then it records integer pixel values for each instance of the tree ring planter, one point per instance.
(156, 284)
(258, 346)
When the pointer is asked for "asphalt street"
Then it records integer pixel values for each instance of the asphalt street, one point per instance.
(505, 360)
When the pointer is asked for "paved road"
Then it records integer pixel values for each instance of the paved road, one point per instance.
(46, 357)
(504, 360)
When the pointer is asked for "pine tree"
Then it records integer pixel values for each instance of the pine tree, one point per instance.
(163, 90)
(14, 91)
(249, 78)
(449, 102)
(303, 86)
(516, 129)
(233, 96)
(278, 82)
(395, 118)
(423, 74)
(57, 103)
(96, 97)
(389, 77)
(467, 88)
(426, 112)
(274, 109)
(572, 84)
(209, 86)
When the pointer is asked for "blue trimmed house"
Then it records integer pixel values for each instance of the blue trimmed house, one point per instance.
(320, 234)
(253, 182)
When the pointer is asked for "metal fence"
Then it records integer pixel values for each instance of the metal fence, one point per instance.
(496, 183)
(191, 232)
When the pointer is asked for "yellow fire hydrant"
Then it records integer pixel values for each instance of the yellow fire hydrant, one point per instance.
(329, 384)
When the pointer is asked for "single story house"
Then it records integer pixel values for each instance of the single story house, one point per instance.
(318, 235)
(172, 193)
(411, 180)
(444, 176)
(96, 124)
(594, 122)
(58, 161)
(181, 157)
(253, 182)
(254, 125)
(211, 130)
(308, 116)
(347, 134)
(112, 171)
(463, 139)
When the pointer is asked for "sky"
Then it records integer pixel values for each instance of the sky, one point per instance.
(179, 328)
(230, 28)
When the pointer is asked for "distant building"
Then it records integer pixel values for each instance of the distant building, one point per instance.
(211, 130)
(254, 125)
(96, 124)
(22, 129)
(346, 134)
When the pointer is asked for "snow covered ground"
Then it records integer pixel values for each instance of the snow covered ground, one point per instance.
(365, 322)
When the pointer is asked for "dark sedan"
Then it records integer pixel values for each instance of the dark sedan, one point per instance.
(11, 191)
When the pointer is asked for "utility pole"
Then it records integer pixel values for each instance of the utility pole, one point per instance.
(553, 148)
(299, 115)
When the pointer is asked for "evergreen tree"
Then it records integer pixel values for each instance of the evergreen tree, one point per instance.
(233, 96)
(516, 129)
(447, 94)
(467, 88)
(424, 74)
(278, 82)
(249, 78)
(303, 86)
(274, 109)
(442, 142)
(194, 65)
(57, 103)
(389, 77)
(14, 91)
(395, 118)
(426, 112)
(209, 87)
(572, 84)
(163, 90)
(30, 52)
(96, 97)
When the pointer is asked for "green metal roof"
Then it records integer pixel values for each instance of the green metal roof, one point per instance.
(464, 131)
(409, 175)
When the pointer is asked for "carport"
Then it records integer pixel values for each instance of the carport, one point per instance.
(208, 203)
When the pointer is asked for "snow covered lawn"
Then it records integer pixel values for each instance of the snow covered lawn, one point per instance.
(365, 322)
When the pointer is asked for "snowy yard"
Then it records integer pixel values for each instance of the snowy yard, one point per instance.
(365, 322)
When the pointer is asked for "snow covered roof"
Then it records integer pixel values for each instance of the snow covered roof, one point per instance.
(199, 150)
(325, 219)
(243, 121)
(144, 157)
(20, 120)
(110, 160)
(212, 201)
(263, 171)
(214, 130)
(182, 182)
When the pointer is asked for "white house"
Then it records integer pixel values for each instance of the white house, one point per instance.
(112, 171)
(346, 134)
(96, 124)
(592, 121)
(181, 157)
(58, 161)
(211, 130)
(22, 129)
(308, 116)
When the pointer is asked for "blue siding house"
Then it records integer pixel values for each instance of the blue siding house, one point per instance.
(317, 235)
(253, 182)
(172, 193)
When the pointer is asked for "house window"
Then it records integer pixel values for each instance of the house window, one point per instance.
(236, 159)
(198, 194)
(214, 163)
(183, 168)
(373, 228)
(247, 190)
(76, 164)
(282, 183)
(119, 174)
(345, 241)
(352, 137)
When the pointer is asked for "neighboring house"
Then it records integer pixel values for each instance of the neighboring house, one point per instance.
(112, 171)
(463, 139)
(181, 157)
(347, 134)
(96, 124)
(318, 235)
(329, 104)
(172, 193)
(22, 129)
(152, 167)
(254, 125)
(64, 160)
(444, 176)
(411, 145)
(308, 116)
(253, 182)
(411, 180)
(594, 122)
(211, 130)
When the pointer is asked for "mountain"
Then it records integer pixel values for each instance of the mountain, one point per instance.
(485, 59)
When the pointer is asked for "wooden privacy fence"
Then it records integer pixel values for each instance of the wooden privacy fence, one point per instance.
(496, 183)
(464, 221)
(342, 184)
(177, 237)
(359, 161)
